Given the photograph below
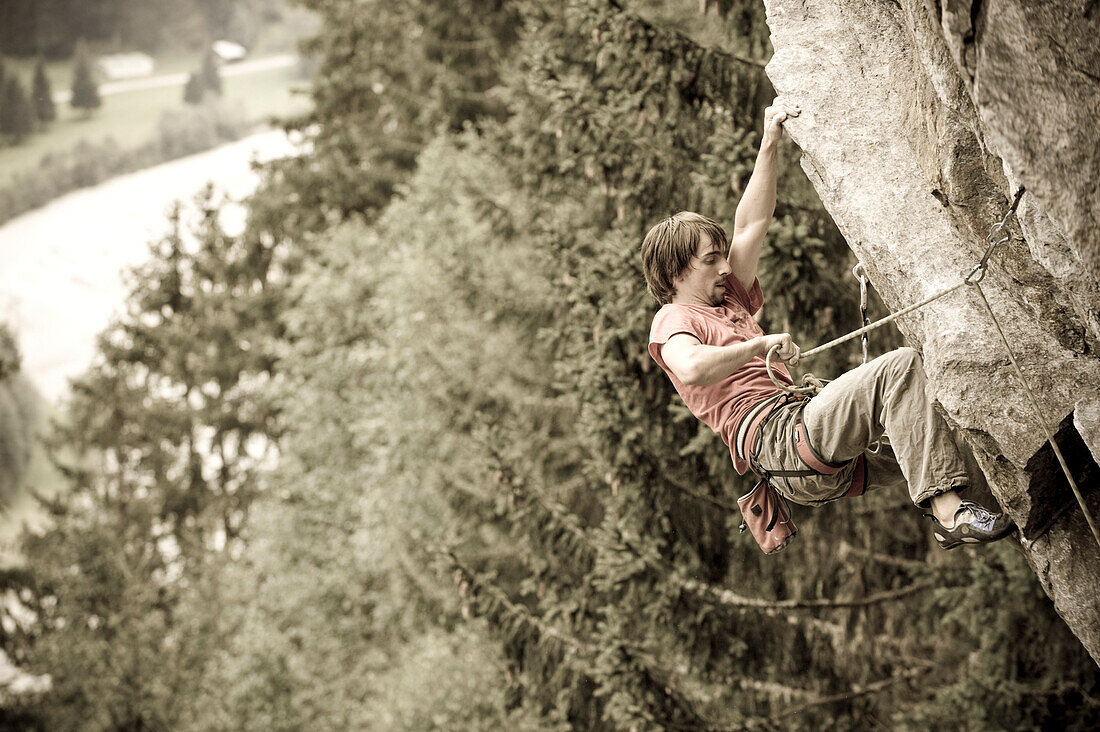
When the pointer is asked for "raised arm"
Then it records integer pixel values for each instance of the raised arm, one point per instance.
(755, 209)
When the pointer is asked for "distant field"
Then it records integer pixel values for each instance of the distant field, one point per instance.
(131, 117)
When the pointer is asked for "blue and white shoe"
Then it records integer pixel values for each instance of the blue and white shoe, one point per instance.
(973, 524)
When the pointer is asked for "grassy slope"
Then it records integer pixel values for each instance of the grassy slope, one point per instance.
(131, 117)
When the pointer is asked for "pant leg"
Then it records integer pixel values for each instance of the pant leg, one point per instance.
(883, 472)
(888, 394)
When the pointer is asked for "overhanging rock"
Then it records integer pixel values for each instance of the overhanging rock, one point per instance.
(915, 132)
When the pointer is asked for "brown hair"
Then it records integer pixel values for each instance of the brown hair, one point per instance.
(669, 246)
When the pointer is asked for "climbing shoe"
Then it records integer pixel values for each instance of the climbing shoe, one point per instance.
(973, 524)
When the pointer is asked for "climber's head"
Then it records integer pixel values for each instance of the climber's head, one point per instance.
(672, 258)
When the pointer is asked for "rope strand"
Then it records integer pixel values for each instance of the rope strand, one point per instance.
(1039, 416)
(878, 323)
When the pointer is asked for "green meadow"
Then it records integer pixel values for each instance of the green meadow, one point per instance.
(132, 117)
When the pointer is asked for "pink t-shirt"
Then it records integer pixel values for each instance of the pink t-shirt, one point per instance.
(721, 406)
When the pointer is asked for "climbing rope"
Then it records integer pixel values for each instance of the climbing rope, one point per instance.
(1039, 414)
(809, 386)
(998, 235)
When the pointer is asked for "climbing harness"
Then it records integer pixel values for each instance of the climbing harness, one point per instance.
(764, 509)
(750, 436)
(998, 235)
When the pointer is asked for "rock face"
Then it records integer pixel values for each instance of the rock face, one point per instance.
(919, 122)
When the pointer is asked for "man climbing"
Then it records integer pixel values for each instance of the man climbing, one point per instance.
(705, 338)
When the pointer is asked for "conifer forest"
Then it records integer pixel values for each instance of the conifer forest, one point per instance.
(396, 457)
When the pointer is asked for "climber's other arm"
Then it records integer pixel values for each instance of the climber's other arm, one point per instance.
(754, 211)
(697, 364)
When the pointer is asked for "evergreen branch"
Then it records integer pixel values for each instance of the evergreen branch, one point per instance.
(647, 673)
(847, 549)
(701, 496)
(516, 611)
(563, 518)
(663, 688)
(685, 40)
(728, 598)
(773, 688)
(856, 692)
(650, 674)
(552, 511)
(1075, 688)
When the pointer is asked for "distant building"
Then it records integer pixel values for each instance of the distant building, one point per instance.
(125, 65)
(228, 51)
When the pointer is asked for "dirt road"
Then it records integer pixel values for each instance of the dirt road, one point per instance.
(152, 82)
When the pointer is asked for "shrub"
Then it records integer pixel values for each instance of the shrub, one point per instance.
(42, 95)
(85, 91)
(16, 113)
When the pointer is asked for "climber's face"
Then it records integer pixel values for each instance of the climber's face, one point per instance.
(703, 281)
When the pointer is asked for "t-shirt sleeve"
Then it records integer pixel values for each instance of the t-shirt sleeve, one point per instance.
(668, 322)
(735, 292)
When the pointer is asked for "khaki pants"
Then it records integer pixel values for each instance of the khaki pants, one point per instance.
(888, 394)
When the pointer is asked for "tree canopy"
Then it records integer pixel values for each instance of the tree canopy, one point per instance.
(85, 90)
(44, 108)
(16, 110)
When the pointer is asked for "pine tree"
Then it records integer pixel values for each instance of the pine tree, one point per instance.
(193, 90)
(623, 117)
(620, 120)
(164, 458)
(377, 459)
(85, 92)
(210, 74)
(44, 107)
(380, 93)
(2, 77)
(16, 113)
